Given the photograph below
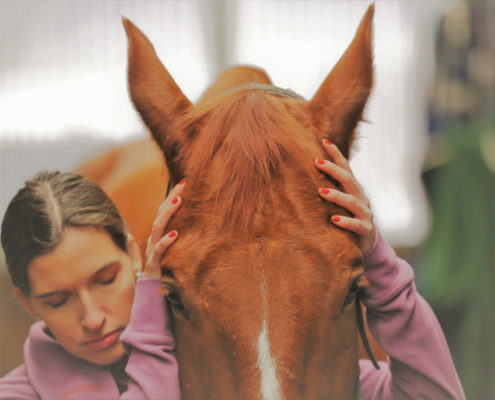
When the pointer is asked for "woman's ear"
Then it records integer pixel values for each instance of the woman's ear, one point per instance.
(26, 302)
(135, 254)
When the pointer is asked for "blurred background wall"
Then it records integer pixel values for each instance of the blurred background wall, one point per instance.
(63, 99)
(457, 273)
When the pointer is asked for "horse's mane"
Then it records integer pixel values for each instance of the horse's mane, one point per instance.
(248, 140)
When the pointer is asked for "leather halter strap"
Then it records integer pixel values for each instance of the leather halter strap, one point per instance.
(270, 89)
(362, 331)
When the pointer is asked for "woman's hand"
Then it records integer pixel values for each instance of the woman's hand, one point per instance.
(157, 241)
(351, 197)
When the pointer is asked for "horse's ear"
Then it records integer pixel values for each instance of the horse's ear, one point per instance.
(338, 105)
(156, 96)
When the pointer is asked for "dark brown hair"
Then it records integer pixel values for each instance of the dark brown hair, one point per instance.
(37, 216)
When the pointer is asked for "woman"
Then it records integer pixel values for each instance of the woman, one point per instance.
(420, 364)
(73, 266)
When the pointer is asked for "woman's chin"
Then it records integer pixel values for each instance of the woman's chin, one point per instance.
(105, 357)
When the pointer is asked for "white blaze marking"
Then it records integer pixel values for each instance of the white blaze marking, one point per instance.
(270, 388)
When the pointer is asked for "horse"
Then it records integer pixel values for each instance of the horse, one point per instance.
(262, 286)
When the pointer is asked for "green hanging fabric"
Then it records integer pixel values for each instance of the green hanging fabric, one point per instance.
(459, 260)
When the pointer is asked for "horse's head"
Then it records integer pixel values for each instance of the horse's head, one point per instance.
(261, 283)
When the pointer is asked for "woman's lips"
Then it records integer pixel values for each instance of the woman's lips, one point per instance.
(105, 341)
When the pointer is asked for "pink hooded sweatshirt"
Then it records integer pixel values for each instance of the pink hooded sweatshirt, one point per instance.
(419, 364)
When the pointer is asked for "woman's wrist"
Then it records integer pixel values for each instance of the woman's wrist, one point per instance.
(147, 275)
(368, 241)
(374, 243)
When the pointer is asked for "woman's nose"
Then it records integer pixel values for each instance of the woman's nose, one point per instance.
(92, 316)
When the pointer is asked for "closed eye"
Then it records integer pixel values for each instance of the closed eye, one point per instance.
(57, 304)
(108, 281)
(107, 274)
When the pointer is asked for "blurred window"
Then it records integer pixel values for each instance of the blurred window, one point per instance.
(63, 71)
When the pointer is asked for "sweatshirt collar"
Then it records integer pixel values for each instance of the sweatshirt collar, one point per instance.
(56, 374)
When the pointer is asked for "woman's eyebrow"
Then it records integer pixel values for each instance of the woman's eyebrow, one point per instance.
(104, 268)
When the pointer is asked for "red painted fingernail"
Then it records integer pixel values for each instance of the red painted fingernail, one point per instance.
(183, 180)
(324, 190)
(327, 142)
(172, 234)
(320, 161)
(175, 200)
(335, 218)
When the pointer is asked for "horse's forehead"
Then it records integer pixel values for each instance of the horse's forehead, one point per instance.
(213, 256)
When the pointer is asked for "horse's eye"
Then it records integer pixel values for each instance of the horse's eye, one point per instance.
(357, 262)
(354, 290)
(175, 300)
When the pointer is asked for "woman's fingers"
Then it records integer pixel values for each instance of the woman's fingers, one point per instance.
(165, 212)
(362, 227)
(334, 152)
(152, 269)
(177, 190)
(157, 242)
(351, 197)
(341, 175)
(350, 203)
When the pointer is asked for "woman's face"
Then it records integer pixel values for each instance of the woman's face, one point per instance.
(84, 290)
